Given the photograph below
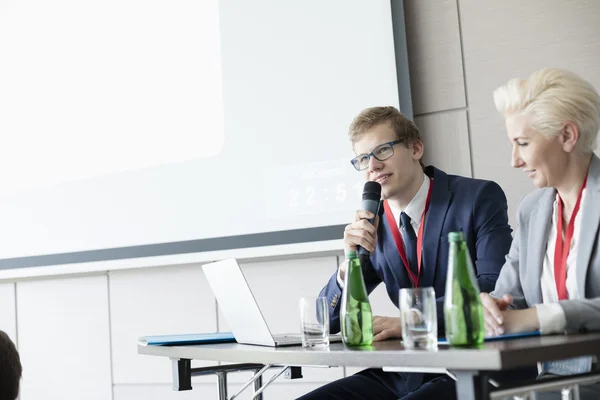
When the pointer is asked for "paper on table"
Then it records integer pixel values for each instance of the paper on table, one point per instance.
(506, 336)
(192, 338)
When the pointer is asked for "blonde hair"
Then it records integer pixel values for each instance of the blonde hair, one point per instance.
(549, 98)
(403, 127)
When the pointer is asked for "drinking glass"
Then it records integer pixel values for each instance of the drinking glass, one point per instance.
(314, 321)
(418, 316)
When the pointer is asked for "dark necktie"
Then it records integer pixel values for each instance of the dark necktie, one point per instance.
(410, 243)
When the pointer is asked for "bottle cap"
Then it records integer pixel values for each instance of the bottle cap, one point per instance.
(351, 254)
(456, 237)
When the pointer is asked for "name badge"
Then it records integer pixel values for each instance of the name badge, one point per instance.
(570, 366)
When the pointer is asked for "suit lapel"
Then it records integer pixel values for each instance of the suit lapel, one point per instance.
(590, 220)
(434, 221)
(537, 243)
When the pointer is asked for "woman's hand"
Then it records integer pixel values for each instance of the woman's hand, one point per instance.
(493, 313)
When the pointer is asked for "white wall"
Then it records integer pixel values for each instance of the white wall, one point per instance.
(459, 51)
(8, 310)
(64, 340)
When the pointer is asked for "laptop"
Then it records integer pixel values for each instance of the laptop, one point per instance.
(239, 306)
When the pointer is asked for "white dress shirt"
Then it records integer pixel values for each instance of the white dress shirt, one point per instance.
(414, 210)
(550, 314)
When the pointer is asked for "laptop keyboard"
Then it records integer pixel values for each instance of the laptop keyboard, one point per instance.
(298, 339)
(287, 338)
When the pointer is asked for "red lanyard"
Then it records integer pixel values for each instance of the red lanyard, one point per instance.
(398, 238)
(561, 248)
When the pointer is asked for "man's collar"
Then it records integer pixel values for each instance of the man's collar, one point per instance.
(415, 208)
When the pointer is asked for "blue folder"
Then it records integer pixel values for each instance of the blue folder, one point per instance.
(191, 338)
(506, 336)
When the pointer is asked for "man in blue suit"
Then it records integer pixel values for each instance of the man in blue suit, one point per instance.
(389, 150)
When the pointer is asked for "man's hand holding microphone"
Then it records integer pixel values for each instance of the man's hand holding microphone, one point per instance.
(361, 236)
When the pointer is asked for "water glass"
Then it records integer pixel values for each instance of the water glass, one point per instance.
(314, 322)
(418, 316)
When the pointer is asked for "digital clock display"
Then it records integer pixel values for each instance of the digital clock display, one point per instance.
(314, 188)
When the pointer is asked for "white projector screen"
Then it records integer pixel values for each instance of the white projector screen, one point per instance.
(131, 123)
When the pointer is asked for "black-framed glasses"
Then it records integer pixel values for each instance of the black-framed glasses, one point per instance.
(381, 153)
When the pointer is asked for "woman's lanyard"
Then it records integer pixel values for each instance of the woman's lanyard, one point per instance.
(562, 248)
(398, 238)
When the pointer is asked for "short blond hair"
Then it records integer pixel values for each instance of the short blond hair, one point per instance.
(404, 128)
(551, 97)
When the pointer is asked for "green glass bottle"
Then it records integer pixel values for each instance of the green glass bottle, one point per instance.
(463, 311)
(356, 318)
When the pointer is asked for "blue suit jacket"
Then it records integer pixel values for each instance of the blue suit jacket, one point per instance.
(476, 207)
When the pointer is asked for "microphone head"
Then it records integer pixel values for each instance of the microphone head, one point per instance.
(372, 191)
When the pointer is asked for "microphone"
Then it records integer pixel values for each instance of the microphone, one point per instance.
(370, 202)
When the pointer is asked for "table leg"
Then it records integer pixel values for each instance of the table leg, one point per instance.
(222, 381)
(182, 377)
(471, 385)
(258, 385)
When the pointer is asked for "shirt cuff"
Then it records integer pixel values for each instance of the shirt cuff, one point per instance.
(551, 318)
(340, 281)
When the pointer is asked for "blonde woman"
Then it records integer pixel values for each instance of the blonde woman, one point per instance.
(551, 279)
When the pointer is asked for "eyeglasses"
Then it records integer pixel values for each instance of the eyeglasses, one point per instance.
(381, 153)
